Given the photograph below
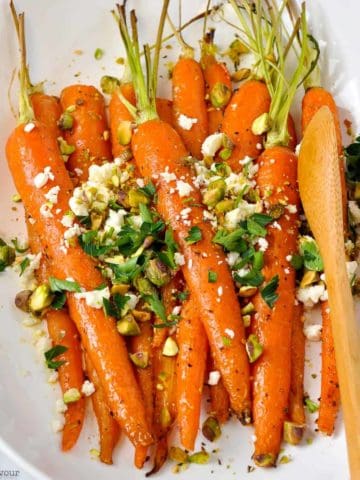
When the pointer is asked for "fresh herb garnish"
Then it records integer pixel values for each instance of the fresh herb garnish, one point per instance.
(297, 261)
(23, 265)
(182, 296)
(53, 353)
(89, 242)
(311, 406)
(232, 242)
(194, 235)
(212, 276)
(145, 213)
(268, 293)
(57, 285)
(168, 256)
(59, 300)
(149, 189)
(254, 278)
(311, 255)
(127, 271)
(115, 306)
(155, 305)
(17, 247)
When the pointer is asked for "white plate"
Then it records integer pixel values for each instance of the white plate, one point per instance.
(54, 31)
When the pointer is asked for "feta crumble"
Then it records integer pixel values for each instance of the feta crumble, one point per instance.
(183, 188)
(52, 194)
(185, 122)
(214, 377)
(41, 179)
(212, 144)
(88, 388)
(94, 298)
(179, 259)
(29, 127)
(313, 332)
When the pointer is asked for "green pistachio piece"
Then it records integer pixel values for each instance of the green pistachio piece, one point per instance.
(248, 309)
(261, 124)
(7, 255)
(224, 206)
(265, 460)
(40, 299)
(72, 395)
(225, 153)
(215, 192)
(140, 359)
(127, 326)
(246, 320)
(309, 277)
(220, 95)
(253, 348)
(66, 121)
(247, 291)
(178, 455)
(240, 74)
(157, 272)
(170, 348)
(108, 84)
(65, 148)
(124, 132)
(211, 429)
(201, 458)
(144, 286)
(22, 300)
(293, 432)
(165, 417)
(121, 288)
(135, 197)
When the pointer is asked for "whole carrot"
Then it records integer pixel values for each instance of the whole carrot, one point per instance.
(219, 398)
(47, 110)
(85, 107)
(141, 353)
(159, 151)
(121, 118)
(191, 364)
(108, 427)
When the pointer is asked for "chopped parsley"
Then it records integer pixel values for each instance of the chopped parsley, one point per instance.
(212, 276)
(51, 354)
(268, 292)
(57, 285)
(194, 235)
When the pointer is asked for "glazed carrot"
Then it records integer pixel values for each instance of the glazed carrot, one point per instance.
(118, 113)
(219, 398)
(141, 345)
(251, 100)
(273, 327)
(108, 427)
(87, 109)
(330, 393)
(191, 363)
(188, 87)
(296, 400)
(28, 154)
(164, 107)
(47, 110)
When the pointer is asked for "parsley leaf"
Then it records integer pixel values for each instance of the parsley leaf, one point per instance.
(195, 235)
(232, 242)
(145, 213)
(212, 276)
(53, 353)
(114, 307)
(311, 254)
(167, 256)
(252, 279)
(155, 305)
(166, 324)
(255, 228)
(127, 271)
(149, 189)
(57, 285)
(59, 300)
(23, 265)
(268, 293)
(261, 219)
(90, 244)
(182, 296)
(297, 261)
(258, 260)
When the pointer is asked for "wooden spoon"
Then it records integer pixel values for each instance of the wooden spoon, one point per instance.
(320, 192)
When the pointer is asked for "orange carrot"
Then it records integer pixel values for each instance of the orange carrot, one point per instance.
(164, 108)
(191, 363)
(251, 100)
(330, 393)
(189, 104)
(141, 345)
(119, 113)
(273, 326)
(28, 154)
(87, 108)
(219, 398)
(296, 401)
(108, 427)
(47, 110)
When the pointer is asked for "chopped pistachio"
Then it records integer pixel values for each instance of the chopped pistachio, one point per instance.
(136, 196)
(94, 453)
(157, 272)
(225, 153)
(215, 192)
(127, 326)
(235, 50)
(7, 255)
(220, 95)
(293, 432)
(141, 315)
(249, 308)
(165, 417)
(40, 298)
(211, 429)
(201, 458)
(66, 121)
(96, 220)
(178, 455)
(253, 348)
(140, 359)
(22, 300)
(65, 148)
(265, 460)
(240, 74)
(224, 206)
(98, 54)
(284, 459)
(261, 124)
(108, 84)
(276, 211)
(309, 277)
(124, 133)
(144, 286)
(72, 395)
(170, 348)
(247, 291)
(16, 198)
(246, 320)
(120, 288)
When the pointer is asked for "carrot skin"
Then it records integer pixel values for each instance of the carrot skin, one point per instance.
(330, 393)
(157, 146)
(109, 430)
(119, 113)
(88, 132)
(251, 100)
(219, 398)
(47, 110)
(143, 343)
(28, 154)
(273, 326)
(188, 87)
(164, 108)
(191, 365)
(296, 401)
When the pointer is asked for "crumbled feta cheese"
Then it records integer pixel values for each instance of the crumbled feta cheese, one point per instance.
(313, 332)
(220, 291)
(140, 182)
(43, 344)
(179, 259)
(88, 388)
(287, 271)
(42, 178)
(212, 144)
(185, 213)
(52, 194)
(183, 188)
(31, 220)
(289, 258)
(214, 377)
(190, 263)
(234, 217)
(78, 203)
(29, 127)
(185, 122)
(311, 295)
(259, 146)
(243, 271)
(133, 301)
(115, 220)
(351, 268)
(263, 244)
(245, 160)
(45, 210)
(176, 310)
(102, 174)
(230, 333)
(53, 376)
(58, 425)
(72, 232)
(61, 406)
(78, 171)
(167, 176)
(94, 298)
(276, 225)
(291, 208)
(67, 220)
(232, 258)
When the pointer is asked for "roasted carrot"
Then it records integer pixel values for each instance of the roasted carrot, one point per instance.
(164, 107)
(108, 427)
(191, 364)
(47, 110)
(118, 114)
(28, 154)
(86, 106)
(219, 398)
(251, 100)
(159, 152)
(296, 400)
(141, 349)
